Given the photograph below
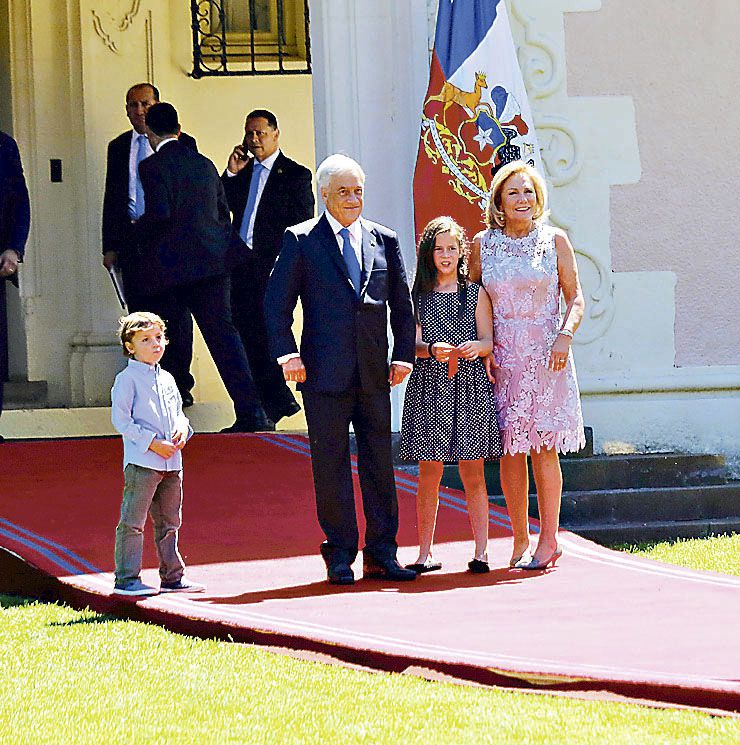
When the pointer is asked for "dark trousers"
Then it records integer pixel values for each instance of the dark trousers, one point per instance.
(328, 417)
(208, 302)
(3, 341)
(248, 285)
(179, 333)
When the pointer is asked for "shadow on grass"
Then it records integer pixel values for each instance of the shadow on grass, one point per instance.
(13, 601)
(19, 601)
(97, 618)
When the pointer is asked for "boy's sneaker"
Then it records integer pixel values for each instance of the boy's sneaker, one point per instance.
(134, 587)
(182, 585)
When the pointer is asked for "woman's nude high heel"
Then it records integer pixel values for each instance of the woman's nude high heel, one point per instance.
(523, 558)
(542, 563)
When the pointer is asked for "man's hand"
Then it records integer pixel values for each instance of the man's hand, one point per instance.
(294, 370)
(8, 263)
(110, 260)
(163, 448)
(237, 159)
(397, 374)
(489, 361)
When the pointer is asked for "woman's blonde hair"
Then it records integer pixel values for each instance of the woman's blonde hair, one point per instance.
(494, 216)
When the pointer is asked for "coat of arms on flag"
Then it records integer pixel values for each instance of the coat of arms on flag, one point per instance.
(475, 116)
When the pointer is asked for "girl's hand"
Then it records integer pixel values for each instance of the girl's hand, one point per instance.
(559, 353)
(469, 350)
(441, 351)
(489, 361)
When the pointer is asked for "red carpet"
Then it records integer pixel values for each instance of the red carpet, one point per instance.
(602, 621)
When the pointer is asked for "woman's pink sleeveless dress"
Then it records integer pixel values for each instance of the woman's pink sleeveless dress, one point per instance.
(536, 408)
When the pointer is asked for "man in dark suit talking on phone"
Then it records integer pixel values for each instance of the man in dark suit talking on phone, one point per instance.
(266, 192)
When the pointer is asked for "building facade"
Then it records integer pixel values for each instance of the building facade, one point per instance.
(637, 128)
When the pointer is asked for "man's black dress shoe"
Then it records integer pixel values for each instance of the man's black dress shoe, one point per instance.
(340, 574)
(386, 569)
(254, 424)
(288, 410)
(187, 400)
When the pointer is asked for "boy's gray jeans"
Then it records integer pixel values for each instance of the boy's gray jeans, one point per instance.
(158, 493)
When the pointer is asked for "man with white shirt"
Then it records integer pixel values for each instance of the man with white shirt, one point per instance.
(267, 192)
(123, 204)
(348, 273)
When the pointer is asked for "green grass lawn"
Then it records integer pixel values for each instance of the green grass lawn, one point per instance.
(80, 677)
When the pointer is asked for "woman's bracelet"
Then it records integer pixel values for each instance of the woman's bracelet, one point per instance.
(565, 332)
(429, 349)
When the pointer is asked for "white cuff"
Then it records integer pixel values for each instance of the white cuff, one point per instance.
(287, 357)
(403, 364)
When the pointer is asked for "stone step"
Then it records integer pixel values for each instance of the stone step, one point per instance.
(634, 471)
(645, 532)
(655, 505)
(25, 394)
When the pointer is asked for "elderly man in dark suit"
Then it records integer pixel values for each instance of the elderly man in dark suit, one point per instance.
(15, 220)
(184, 236)
(123, 204)
(266, 192)
(348, 273)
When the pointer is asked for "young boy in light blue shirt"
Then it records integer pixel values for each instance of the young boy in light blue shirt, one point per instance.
(147, 411)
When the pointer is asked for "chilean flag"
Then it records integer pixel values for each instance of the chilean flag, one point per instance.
(475, 116)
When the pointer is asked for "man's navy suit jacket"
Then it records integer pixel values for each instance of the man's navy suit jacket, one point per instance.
(185, 231)
(15, 212)
(15, 208)
(118, 234)
(343, 336)
(287, 199)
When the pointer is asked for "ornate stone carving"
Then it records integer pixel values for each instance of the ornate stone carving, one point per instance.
(599, 291)
(108, 26)
(559, 149)
(541, 66)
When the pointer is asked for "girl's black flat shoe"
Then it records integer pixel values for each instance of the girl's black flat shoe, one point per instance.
(427, 566)
(476, 566)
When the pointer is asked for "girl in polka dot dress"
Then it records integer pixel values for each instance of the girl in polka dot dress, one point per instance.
(449, 413)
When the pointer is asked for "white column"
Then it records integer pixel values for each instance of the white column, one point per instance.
(370, 70)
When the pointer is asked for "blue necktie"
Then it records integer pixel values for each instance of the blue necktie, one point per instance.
(141, 154)
(350, 259)
(251, 201)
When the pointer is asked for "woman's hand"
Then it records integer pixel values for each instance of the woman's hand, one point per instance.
(470, 350)
(559, 353)
(489, 361)
(441, 351)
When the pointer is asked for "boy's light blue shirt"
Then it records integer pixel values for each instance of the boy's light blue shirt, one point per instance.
(147, 405)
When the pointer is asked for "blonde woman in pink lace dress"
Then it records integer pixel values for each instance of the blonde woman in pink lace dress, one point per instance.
(525, 266)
